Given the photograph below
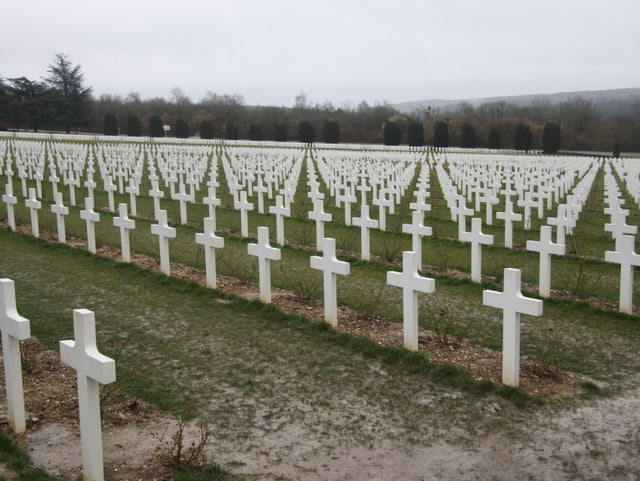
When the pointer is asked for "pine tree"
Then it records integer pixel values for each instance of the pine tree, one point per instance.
(331, 131)
(494, 138)
(155, 126)
(306, 132)
(181, 129)
(281, 133)
(255, 132)
(72, 99)
(392, 134)
(415, 134)
(110, 124)
(134, 127)
(206, 130)
(523, 139)
(468, 137)
(551, 138)
(441, 135)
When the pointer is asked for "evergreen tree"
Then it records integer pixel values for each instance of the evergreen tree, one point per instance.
(415, 134)
(551, 138)
(231, 131)
(441, 135)
(392, 133)
(616, 150)
(494, 138)
(306, 132)
(134, 127)
(281, 133)
(155, 126)
(468, 137)
(110, 124)
(72, 99)
(523, 139)
(181, 129)
(255, 132)
(206, 130)
(331, 131)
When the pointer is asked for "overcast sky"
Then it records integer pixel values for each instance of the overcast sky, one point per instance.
(332, 50)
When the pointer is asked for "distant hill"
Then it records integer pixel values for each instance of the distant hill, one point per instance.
(606, 101)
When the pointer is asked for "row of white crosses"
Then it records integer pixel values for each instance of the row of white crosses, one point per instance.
(92, 368)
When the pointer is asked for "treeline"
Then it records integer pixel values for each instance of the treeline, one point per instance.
(61, 102)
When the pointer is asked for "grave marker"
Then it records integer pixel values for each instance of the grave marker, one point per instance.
(417, 231)
(10, 200)
(411, 284)
(164, 233)
(60, 210)
(92, 368)
(545, 246)
(477, 239)
(15, 328)
(34, 206)
(90, 217)
(628, 259)
(280, 212)
(125, 224)
(512, 303)
(265, 253)
(211, 242)
(330, 267)
(365, 223)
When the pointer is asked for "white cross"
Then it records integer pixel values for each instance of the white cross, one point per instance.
(411, 284)
(157, 194)
(330, 267)
(527, 203)
(54, 179)
(509, 216)
(260, 189)
(164, 233)
(363, 188)
(211, 242)
(212, 201)
(90, 184)
(320, 216)
(34, 205)
(15, 328)
(618, 225)
(182, 197)
(489, 199)
(382, 202)
(545, 246)
(348, 198)
(60, 210)
(562, 222)
(512, 303)
(280, 211)
(420, 203)
(90, 217)
(461, 212)
(417, 231)
(628, 259)
(110, 187)
(477, 239)
(11, 200)
(92, 369)
(133, 191)
(125, 224)
(244, 207)
(365, 223)
(265, 253)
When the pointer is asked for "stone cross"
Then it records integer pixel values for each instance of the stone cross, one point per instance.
(280, 212)
(461, 212)
(320, 216)
(512, 303)
(330, 267)
(365, 223)
(477, 239)
(164, 233)
(133, 190)
(211, 242)
(125, 224)
(182, 197)
(348, 198)
(527, 203)
(417, 231)
(628, 259)
(244, 206)
(157, 194)
(260, 189)
(382, 202)
(60, 210)
(90, 217)
(34, 206)
(411, 284)
(11, 200)
(545, 246)
(212, 201)
(509, 216)
(265, 253)
(563, 224)
(489, 199)
(110, 188)
(15, 328)
(92, 369)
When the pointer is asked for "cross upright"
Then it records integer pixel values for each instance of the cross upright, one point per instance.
(133, 190)
(363, 188)
(92, 369)
(563, 224)
(348, 198)
(320, 216)
(244, 206)
(509, 216)
(212, 201)
(125, 224)
(527, 203)
(628, 259)
(260, 189)
(546, 247)
(383, 202)
(420, 204)
(365, 223)
(89, 184)
(461, 212)
(489, 199)
(265, 253)
(90, 217)
(411, 283)
(110, 188)
(477, 239)
(417, 231)
(60, 210)
(10, 200)
(183, 197)
(280, 211)
(15, 328)
(512, 303)
(34, 206)
(164, 233)
(330, 267)
(211, 242)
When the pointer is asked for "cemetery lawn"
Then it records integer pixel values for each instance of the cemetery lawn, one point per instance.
(284, 395)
